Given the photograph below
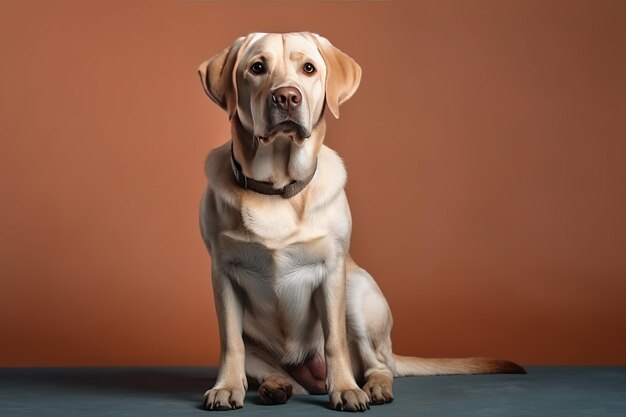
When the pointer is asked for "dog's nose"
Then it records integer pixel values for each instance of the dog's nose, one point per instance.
(288, 98)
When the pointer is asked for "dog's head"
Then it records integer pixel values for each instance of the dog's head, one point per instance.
(279, 84)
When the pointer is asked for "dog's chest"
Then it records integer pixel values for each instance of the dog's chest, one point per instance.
(279, 274)
(278, 250)
(278, 286)
(278, 253)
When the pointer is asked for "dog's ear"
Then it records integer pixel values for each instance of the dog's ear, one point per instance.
(343, 74)
(218, 76)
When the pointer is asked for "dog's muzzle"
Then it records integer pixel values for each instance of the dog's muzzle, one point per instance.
(285, 113)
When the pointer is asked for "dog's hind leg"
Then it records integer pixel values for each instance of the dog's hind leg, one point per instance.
(275, 385)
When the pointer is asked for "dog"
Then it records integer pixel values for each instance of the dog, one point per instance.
(296, 313)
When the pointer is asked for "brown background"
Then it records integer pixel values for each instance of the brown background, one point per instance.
(485, 151)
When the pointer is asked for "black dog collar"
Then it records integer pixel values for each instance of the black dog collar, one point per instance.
(267, 188)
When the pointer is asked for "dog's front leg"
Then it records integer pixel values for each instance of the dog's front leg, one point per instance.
(330, 299)
(231, 385)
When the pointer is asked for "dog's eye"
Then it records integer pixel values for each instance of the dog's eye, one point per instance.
(309, 68)
(258, 68)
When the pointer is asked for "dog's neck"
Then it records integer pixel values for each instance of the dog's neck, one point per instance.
(280, 162)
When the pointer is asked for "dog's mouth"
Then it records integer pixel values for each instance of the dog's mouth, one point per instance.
(289, 129)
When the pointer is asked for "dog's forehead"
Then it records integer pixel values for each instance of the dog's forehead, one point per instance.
(292, 46)
(297, 43)
(263, 43)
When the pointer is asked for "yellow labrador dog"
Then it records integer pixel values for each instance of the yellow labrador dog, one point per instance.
(296, 313)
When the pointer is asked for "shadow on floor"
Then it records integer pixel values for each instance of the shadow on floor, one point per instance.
(188, 384)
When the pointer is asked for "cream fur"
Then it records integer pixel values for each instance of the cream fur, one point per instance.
(282, 275)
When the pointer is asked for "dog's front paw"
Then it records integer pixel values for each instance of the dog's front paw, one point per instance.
(349, 400)
(379, 392)
(224, 398)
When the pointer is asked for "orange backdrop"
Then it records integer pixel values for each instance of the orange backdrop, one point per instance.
(485, 151)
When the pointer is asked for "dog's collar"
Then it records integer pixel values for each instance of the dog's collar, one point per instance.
(262, 187)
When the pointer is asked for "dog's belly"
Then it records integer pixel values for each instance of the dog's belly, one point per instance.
(278, 286)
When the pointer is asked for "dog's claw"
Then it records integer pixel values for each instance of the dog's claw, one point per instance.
(349, 400)
(224, 399)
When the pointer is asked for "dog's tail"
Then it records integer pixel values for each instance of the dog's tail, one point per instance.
(409, 366)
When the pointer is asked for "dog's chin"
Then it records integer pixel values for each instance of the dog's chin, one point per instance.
(285, 130)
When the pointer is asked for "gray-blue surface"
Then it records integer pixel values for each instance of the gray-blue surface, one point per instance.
(92, 392)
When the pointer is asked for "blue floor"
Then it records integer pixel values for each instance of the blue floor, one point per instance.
(92, 392)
